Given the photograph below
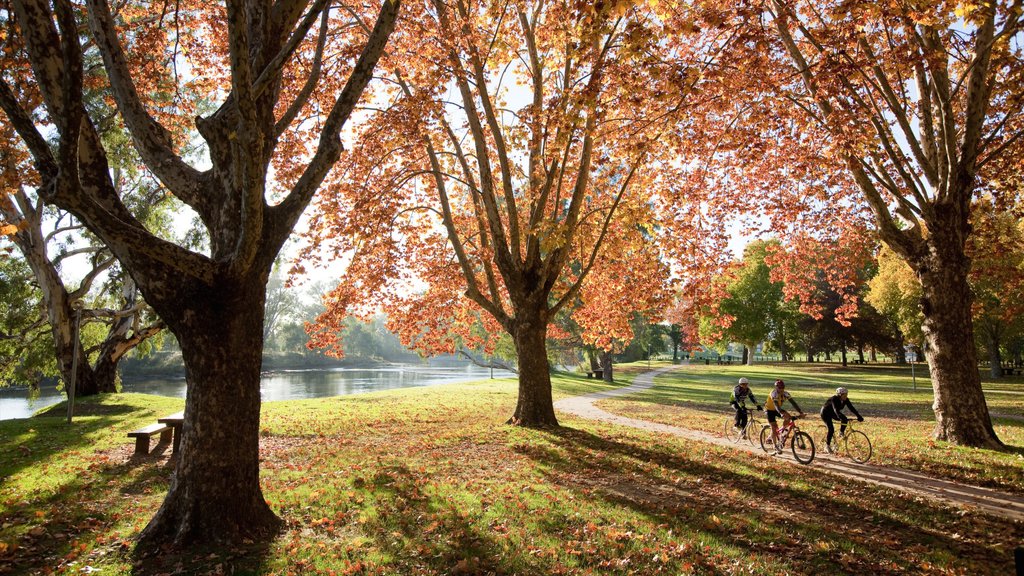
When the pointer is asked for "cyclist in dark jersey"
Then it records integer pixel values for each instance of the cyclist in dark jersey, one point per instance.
(739, 396)
(832, 410)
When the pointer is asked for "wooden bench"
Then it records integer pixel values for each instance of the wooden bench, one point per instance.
(175, 421)
(142, 436)
(599, 374)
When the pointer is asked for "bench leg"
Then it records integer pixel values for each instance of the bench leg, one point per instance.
(177, 439)
(142, 445)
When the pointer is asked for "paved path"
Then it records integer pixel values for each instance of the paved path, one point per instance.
(986, 499)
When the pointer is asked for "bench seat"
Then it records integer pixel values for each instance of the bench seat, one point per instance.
(142, 436)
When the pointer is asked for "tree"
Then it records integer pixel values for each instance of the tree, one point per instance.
(895, 292)
(997, 278)
(753, 308)
(508, 197)
(277, 74)
(129, 321)
(920, 107)
(281, 302)
(26, 349)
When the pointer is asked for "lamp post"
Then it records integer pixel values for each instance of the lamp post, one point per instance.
(77, 305)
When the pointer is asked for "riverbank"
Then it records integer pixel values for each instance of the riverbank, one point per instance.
(431, 481)
(281, 384)
(170, 364)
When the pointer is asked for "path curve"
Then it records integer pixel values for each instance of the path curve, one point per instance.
(985, 499)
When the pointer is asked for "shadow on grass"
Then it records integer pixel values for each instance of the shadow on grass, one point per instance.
(53, 528)
(817, 519)
(203, 559)
(430, 534)
(709, 390)
(30, 441)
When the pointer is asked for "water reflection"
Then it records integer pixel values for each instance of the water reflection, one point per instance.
(281, 385)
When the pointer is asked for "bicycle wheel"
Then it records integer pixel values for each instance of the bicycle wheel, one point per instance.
(858, 446)
(729, 432)
(803, 447)
(766, 438)
(752, 431)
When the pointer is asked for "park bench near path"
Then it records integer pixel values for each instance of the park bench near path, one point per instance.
(987, 500)
(169, 429)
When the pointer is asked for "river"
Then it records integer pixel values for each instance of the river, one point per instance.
(280, 385)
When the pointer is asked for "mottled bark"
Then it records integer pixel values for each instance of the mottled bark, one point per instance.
(534, 408)
(961, 413)
(215, 495)
(212, 303)
(607, 366)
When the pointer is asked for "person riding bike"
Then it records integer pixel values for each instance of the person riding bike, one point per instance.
(776, 398)
(740, 393)
(832, 410)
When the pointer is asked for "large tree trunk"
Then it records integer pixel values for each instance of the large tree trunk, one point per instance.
(215, 493)
(535, 407)
(607, 366)
(961, 413)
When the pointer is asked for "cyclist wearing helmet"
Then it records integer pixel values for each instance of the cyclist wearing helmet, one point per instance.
(739, 396)
(832, 410)
(773, 406)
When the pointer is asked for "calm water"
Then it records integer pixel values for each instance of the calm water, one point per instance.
(283, 385)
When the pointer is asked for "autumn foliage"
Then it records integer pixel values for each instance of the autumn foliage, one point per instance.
(508, 175)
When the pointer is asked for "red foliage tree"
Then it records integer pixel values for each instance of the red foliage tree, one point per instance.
(517, 202)
(274, 79)
(901, 112)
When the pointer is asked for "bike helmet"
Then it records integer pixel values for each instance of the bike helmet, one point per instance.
(744, 381)
(841, 391)
(780, 384)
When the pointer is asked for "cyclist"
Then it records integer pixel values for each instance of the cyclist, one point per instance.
(776, 398)
(833, 410)
(740, 393)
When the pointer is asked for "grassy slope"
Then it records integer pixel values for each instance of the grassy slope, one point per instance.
(430, 481)
(899, 420)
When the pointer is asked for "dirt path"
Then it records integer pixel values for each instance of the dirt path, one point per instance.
(991, 501)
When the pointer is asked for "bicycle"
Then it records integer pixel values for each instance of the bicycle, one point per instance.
(800, 442)
(854, 443)
(734, 434)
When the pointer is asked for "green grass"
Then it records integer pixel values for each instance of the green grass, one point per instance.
(431, 481)
(899, 419)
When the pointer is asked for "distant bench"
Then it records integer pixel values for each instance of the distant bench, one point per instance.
(169, 429)
(599, 374)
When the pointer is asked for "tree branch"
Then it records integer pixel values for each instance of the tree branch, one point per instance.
(151, 139)
(286, 214)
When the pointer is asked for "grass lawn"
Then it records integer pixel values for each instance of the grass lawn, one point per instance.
(898, 419)
(431, 481)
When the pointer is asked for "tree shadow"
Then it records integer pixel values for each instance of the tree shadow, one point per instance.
(52, 527)
(28, 442)
(762, 507)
